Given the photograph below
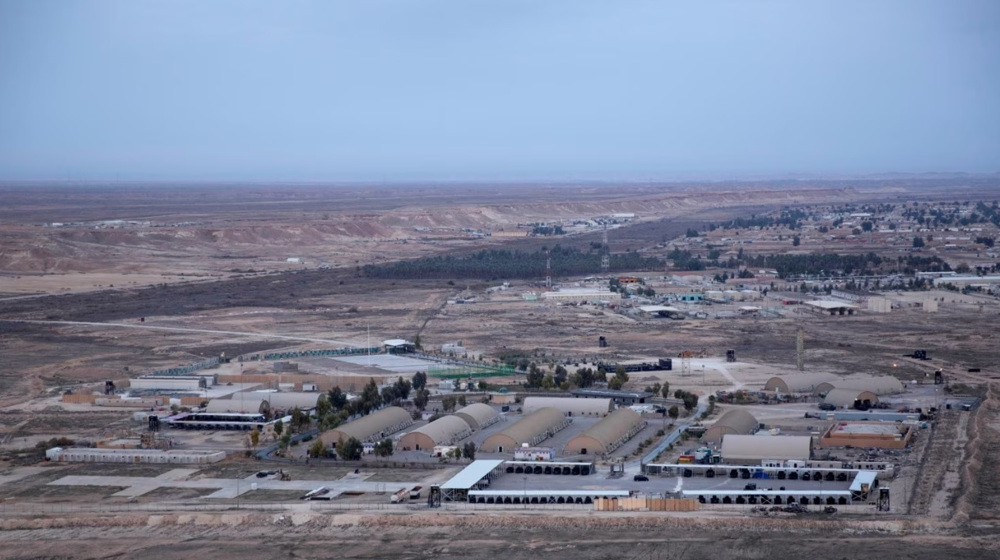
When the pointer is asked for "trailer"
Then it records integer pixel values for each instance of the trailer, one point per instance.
(400, 495)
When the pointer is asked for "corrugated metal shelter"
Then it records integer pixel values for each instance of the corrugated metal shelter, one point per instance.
(374, 427)
(532, 429)
(801, 383)
(846, 398)
(568, 406)
(752, 450)
(238, 404)
(443, 431)
(736, 421)
(878, 384)
(478, 415)
(608, 434)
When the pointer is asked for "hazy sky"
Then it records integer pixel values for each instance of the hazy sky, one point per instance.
(466, 89)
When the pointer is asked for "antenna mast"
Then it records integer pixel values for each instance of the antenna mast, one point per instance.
(548, 268)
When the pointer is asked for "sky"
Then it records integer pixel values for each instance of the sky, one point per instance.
(500, 90)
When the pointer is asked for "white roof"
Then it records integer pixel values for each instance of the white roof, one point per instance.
(395, 342)
(766, 492)
(827, 304)
(864, 477)
(659, 308)
(567, 405)
(472, 474)
(736, 447)
(573, 493)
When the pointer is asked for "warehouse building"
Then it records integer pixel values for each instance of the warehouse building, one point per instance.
(532, 429)
(608, 434)
(736, 421)
(756, 450)
(582, 294)
(878, 435)
(833, 307)
(811, 383)
(239, 404)
(850, 398)
(618, 397)
(568, 406)
(443, 431)
(133, 456)
(478, 415)
(369, 429)
(191, 383)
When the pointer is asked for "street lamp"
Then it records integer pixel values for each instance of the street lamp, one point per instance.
(524, 499)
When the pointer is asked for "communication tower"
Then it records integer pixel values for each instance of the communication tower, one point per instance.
(606, 257)
(548, 268)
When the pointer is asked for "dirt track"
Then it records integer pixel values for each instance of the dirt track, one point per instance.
(586, 536)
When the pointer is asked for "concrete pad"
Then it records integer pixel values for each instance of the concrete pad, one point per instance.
(177, 474)
(224, 488)
(21, 473)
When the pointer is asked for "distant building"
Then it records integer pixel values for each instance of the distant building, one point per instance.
(752, 450)
(620, 398)
(864, 435)
(533, 454)
(582, 294)
(398, 346)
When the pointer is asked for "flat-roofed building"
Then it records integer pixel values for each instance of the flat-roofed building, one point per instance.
(582, 294)
(878, 435)
(568, 406)
(754, 450)
(240, 403)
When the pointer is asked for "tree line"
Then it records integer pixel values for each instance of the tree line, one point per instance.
(503, 263)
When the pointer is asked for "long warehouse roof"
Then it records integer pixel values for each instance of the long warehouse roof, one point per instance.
(472, 474)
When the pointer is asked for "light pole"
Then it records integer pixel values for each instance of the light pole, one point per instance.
(524, 499)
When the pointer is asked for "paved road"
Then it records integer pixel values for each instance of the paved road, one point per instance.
(635, 466)
(198, 331)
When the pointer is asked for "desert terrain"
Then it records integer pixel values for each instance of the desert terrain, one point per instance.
(101, 283)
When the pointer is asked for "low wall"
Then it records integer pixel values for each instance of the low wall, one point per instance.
(646, 504)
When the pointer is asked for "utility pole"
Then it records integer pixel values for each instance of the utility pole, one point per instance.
(799, 349)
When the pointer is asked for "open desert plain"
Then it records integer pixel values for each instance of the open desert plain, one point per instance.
(293, 289)
(525, 280)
